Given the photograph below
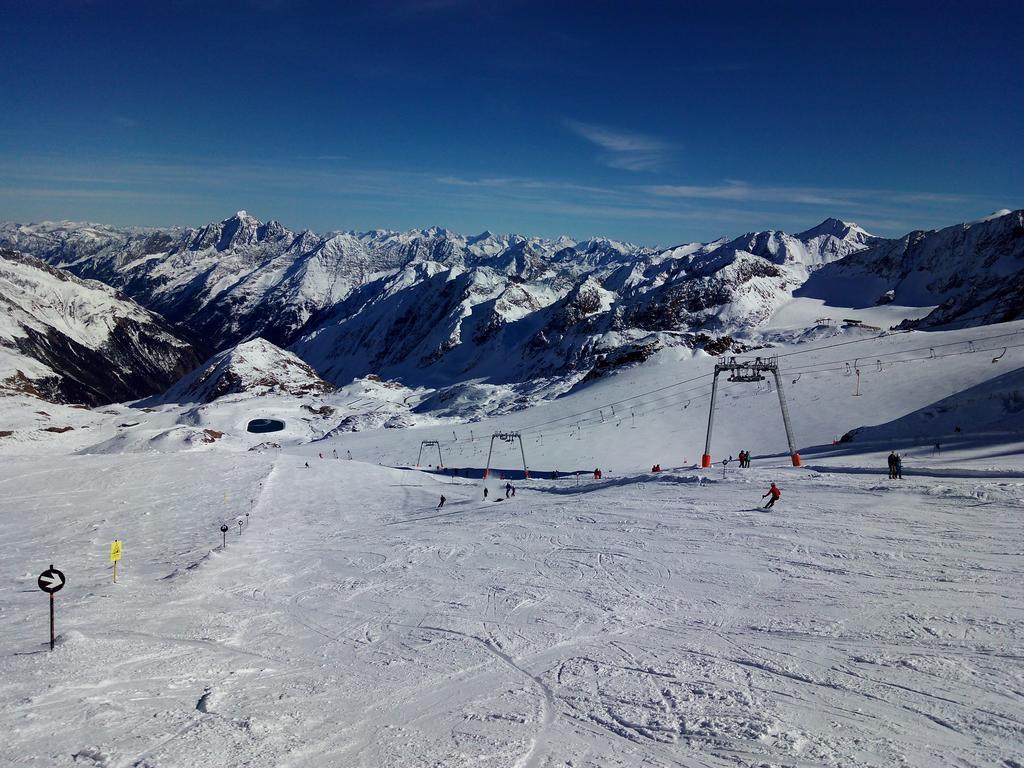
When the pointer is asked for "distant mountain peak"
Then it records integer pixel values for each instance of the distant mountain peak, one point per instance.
(836, 228)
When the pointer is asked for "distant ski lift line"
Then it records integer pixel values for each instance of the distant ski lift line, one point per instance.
(813, 368)
(806, 369)
(675, 398)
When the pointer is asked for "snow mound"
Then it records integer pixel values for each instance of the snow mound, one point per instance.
(253, 368)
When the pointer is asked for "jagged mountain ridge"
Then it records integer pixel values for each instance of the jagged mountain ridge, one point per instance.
(436, 308)
(79, 341)
(355, 303)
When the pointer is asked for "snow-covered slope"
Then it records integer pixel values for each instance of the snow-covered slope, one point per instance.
(641, 619)
(72, 340)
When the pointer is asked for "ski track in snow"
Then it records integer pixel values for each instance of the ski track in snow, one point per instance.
(625, 624)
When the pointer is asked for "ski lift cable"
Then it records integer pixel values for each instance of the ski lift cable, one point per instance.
(795, 369)
(900, 352)
(825, 367)
(675, 399)
(885, 335)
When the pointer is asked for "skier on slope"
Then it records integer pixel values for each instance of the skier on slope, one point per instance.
(485, 493)
(892, 465)
(775, 494)
(508, 490)
(443, 500)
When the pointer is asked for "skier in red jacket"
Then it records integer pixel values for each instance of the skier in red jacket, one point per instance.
(775, 494)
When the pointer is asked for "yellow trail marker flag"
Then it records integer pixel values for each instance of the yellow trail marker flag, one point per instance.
(115, 551)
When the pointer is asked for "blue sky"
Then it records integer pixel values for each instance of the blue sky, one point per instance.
(651, 122)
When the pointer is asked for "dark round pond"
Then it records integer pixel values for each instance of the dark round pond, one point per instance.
(265, 425)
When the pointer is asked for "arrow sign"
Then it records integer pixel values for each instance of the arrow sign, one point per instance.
(51, 580)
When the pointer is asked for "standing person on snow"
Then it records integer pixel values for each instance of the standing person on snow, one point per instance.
(443, 500)
(892, 465)
(485, 493)
(775, 494)
(508, 490)
(898, 467)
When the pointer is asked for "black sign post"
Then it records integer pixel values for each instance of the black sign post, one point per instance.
(240, 521)
(224, 535)
(51, 581)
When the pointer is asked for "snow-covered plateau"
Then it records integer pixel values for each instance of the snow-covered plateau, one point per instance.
(641, 619)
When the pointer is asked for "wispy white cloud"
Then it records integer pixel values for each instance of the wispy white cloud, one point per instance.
(626, 150)
(740, 190)
(837, 197)
(197, 189)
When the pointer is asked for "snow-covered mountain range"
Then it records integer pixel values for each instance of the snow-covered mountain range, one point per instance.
(535, 316)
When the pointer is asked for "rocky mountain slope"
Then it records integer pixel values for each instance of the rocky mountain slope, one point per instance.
(78, 341)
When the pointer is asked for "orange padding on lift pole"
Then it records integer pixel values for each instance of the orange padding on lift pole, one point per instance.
(705, 460)
(796, 459)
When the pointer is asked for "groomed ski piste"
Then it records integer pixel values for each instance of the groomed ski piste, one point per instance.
(657, 619)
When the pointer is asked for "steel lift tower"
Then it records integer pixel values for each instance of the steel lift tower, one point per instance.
(428, 444)
(508, 437)
(750, 371)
